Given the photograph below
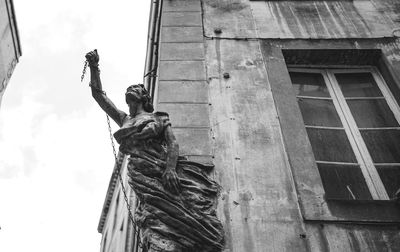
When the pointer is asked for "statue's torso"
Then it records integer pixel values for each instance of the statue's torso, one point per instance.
(144, 133)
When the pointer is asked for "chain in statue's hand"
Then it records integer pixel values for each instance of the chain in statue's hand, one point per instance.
(92, 59)
(84, 70)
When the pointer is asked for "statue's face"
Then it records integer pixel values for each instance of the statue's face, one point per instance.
(133, 106)
(134, 100)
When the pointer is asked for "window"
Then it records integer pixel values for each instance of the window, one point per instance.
(353, 124)
(320, 197)
(116, 212)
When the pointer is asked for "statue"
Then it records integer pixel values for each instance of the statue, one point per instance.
(177, 198)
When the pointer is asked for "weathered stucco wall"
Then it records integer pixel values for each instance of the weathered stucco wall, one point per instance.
(258, 204)
(340, 237)
(301, 19)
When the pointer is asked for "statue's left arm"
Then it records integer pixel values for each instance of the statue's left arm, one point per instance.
(170, 178)
(97, 90)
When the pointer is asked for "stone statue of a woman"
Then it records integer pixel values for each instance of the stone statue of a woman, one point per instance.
(177, 197)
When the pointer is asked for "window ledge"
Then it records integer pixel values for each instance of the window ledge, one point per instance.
(364, 211)
(298, 0)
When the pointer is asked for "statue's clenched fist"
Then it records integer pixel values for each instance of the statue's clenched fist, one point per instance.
(93, 58)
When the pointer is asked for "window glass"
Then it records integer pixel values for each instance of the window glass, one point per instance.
(372, 113)
(383, 145)
(344, 182)
(309, 84)
(319, 112)
(331, 145)
(358, 85)
(328, 144)
(390, 176)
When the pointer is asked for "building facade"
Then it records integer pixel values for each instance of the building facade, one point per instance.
(10, 48)
(296, 103)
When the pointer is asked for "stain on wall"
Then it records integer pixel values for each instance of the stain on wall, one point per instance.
(301, 19)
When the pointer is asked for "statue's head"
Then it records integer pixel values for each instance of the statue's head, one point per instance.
(138, 94)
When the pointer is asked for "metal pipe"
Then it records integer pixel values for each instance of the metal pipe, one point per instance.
(156, 44)
(149, 45)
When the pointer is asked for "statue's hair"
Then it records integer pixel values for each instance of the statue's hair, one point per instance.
(142, 93)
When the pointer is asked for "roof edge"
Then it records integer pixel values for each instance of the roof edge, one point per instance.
(110, 192)
(14, 28)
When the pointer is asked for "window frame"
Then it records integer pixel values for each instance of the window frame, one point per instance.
(368, 169)
(313, 204)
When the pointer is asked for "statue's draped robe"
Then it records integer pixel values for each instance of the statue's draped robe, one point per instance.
(169, 222)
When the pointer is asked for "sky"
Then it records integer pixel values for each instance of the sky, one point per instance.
(56, 158)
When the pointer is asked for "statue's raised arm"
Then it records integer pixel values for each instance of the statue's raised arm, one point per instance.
(97, 90)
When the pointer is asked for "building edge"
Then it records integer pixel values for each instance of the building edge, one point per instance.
(14, 29)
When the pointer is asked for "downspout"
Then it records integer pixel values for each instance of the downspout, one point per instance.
(149, 50)
(156, 46)
(151, 65)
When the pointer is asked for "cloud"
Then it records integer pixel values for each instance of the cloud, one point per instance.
(17, 131)
(64, 187)
(47, 213)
